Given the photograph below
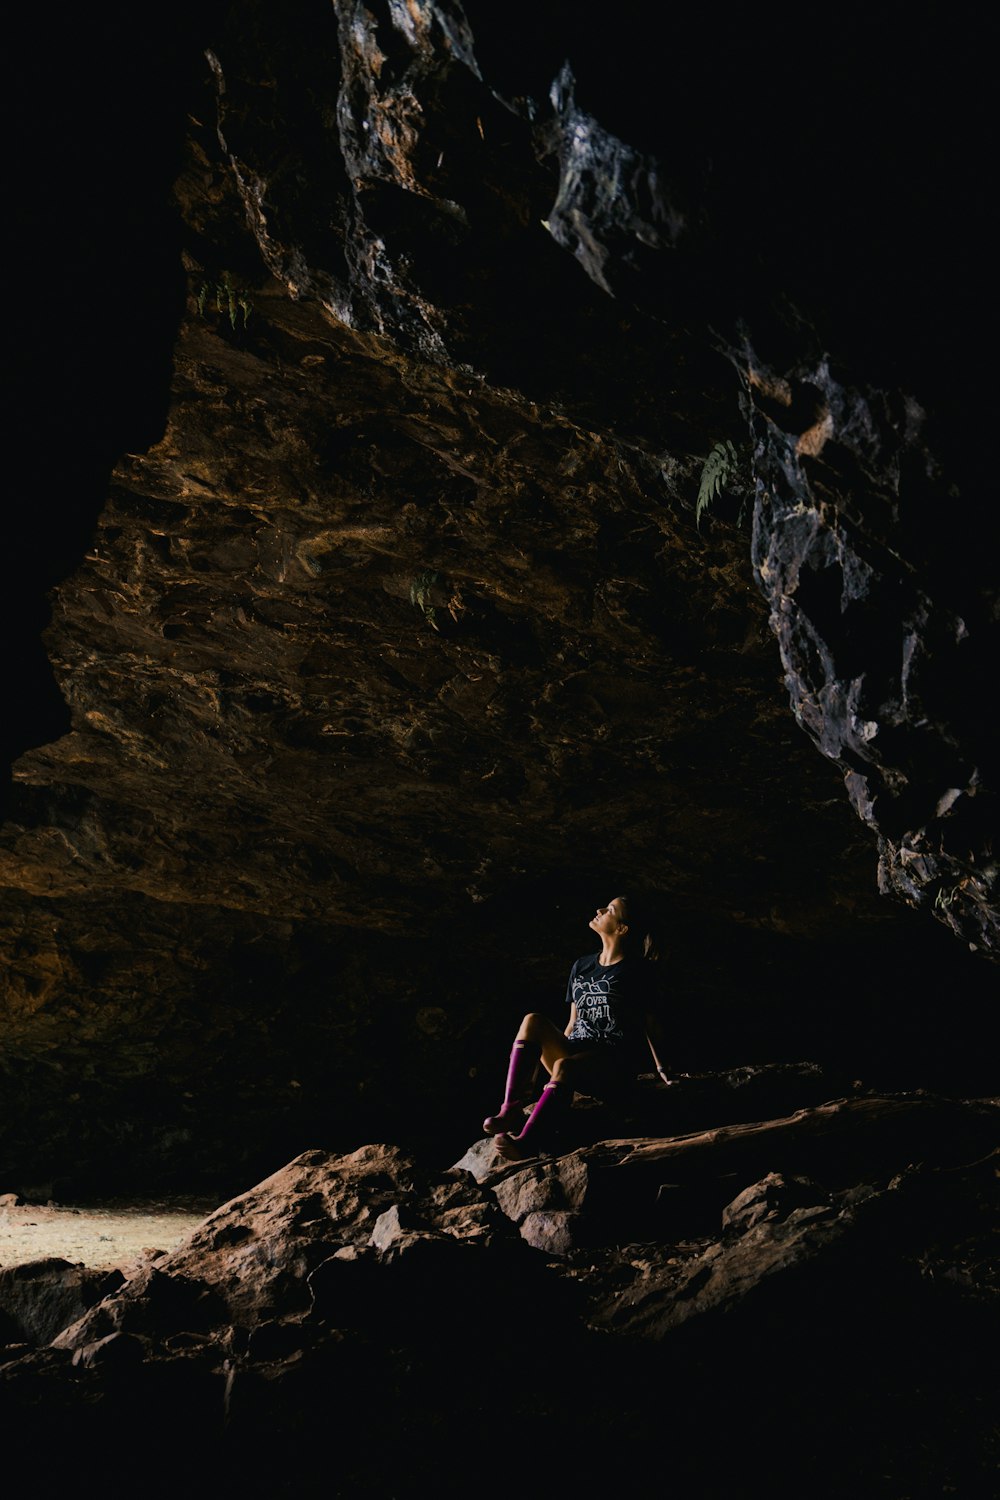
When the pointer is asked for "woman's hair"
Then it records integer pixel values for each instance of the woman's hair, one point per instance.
(640, 919)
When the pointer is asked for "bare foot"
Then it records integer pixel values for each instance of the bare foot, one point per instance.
(510, 1148)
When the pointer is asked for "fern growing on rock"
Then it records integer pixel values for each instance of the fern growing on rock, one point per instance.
(721, 467)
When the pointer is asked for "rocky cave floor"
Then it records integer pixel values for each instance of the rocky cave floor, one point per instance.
(737, 1282)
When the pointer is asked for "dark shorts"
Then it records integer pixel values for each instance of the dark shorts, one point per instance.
(598, 1066)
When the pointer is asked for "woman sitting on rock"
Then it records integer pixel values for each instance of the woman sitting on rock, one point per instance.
(611, 1004)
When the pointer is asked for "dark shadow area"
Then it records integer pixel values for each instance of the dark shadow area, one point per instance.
(96, 125)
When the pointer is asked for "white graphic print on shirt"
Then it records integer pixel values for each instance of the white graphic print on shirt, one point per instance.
(595, 1014)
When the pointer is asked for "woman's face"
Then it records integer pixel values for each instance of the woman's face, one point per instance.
(609, 919)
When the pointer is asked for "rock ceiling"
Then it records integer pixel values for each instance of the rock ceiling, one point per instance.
(390, 637)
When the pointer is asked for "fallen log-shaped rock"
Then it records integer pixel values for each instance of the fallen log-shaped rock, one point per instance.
(869, 1133)
(616, 1190)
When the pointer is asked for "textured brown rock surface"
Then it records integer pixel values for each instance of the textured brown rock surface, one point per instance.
(397, 625)
(253, 1259)
(38, 1300)
(343, 1287)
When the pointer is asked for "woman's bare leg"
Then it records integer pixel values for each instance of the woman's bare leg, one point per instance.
(537, 1040)
(545, 1034)
(561, 1062)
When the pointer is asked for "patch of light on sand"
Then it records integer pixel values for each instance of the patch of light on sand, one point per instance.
(99, 1237)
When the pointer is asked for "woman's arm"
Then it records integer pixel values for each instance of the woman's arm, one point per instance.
(654, 1037)
(572, 1019)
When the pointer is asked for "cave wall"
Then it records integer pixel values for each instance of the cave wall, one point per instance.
(396, 637)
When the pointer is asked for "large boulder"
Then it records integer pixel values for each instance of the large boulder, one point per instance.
(41, 1298)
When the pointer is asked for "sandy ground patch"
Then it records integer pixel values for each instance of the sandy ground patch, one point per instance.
(106, 1237)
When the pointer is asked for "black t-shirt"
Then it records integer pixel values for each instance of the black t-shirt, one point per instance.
(611, 1001)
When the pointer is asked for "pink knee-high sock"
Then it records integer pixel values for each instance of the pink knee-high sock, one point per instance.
(546, 1111)
(523, 1060)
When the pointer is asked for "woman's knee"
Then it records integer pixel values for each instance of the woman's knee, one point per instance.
(562, 1069)
(533, 1025)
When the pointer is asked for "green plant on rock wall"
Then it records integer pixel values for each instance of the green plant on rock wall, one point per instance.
(720, 464)
(420, 596)
(225, 297)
